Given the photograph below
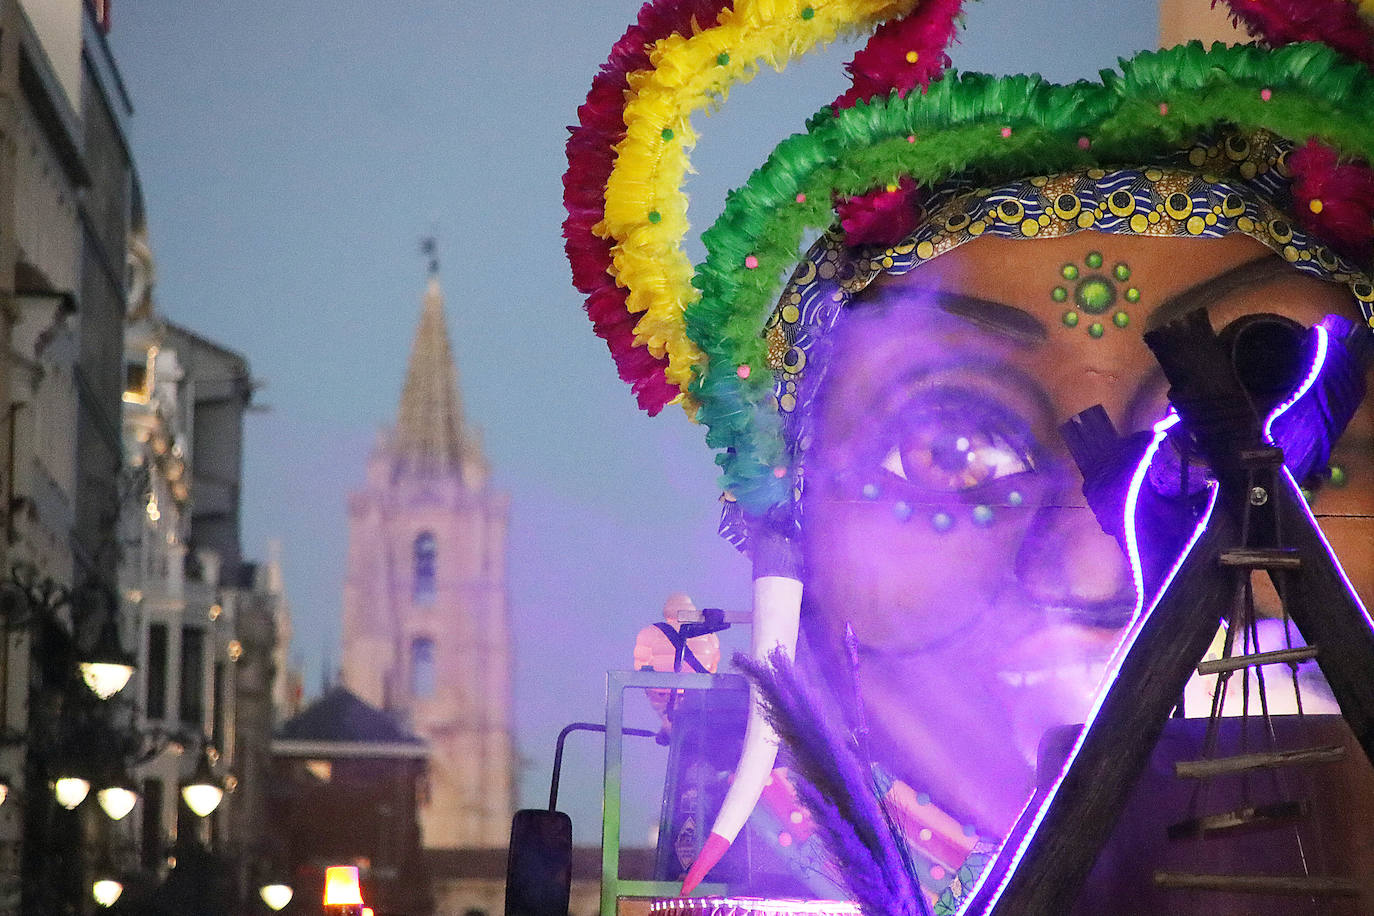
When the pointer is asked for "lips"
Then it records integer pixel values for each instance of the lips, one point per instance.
(1051, 678)
(1058, 652)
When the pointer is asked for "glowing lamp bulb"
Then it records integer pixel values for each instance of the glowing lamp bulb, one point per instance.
(202, 797)
(70, 791)
(341, 886)
(106, 891)
(116, 801)
(105, 678)
(275, 895)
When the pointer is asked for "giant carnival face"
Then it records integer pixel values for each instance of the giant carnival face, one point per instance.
(944, 518)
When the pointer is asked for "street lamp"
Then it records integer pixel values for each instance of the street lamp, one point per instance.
(276, 895)
(203, 791)
(342, 896)
(75, 664)
(70, 791)
(118, 798)
(108, 667)
(106, 891)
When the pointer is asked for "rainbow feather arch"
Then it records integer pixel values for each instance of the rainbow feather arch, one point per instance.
(677, 60)
(670, 339)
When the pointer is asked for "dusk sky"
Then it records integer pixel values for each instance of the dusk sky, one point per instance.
(293, 154)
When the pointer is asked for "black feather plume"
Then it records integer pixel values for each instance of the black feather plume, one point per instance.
(837, 786)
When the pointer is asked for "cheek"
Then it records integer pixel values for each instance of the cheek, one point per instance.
(896, 577)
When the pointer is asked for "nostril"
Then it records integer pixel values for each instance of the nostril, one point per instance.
(1066, 561)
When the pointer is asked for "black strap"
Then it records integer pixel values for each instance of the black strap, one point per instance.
(680, 647)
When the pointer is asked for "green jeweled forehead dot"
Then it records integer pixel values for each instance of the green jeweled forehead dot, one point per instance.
(1095, 295)
(1094, 292)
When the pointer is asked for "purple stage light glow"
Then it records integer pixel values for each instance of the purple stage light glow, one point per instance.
(1138, 619)
(1140, 616)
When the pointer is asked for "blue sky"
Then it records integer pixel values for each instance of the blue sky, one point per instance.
(292, 155)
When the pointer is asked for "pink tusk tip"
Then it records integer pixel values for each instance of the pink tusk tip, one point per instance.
(715, 847)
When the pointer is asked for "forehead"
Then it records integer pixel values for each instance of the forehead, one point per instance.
(1066, 312)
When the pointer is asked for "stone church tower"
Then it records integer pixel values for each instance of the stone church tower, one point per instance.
(425, 632)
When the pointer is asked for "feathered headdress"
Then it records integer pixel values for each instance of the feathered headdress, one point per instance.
(1287, 119)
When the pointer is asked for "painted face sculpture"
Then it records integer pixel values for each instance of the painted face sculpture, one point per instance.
(945, 521)
(888, 428)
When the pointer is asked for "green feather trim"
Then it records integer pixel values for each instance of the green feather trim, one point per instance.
(958, 128)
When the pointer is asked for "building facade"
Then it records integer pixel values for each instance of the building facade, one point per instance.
(212, 628)
(68, 192)
(425, 631)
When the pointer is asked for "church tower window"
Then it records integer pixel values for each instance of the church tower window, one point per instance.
(426, 555)
(422, 674)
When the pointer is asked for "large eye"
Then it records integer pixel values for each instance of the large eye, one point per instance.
(957, 447)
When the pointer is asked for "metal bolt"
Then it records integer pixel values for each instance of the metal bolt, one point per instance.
(1258, 496)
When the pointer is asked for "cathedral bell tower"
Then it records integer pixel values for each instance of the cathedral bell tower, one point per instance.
(425, 630)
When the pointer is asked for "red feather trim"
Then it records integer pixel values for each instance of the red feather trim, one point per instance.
(1336, 23)
(881, 217)
(903, 54)
(591, 157)
(1334, 200)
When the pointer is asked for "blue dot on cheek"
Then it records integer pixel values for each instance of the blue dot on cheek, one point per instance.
(870, 491)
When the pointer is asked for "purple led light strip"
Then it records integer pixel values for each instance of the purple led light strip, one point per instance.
(1138, 618)
(1140, 615)
(1318, 363)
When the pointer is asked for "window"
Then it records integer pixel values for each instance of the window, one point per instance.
(156, 698)
(426, 555)
(152, 851)
(422, 672)
(192, 675)
(219, 698)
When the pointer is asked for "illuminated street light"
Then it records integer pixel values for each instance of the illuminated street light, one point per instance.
(70, 791)
(275, 895)
(202, 792)
(107, 668)
(342, 895)
(106, 891)
(117, 800)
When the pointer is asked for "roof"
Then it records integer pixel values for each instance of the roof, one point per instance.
(340, 724)
(429, 427)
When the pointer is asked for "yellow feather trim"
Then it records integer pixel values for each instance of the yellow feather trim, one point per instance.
(646, 210)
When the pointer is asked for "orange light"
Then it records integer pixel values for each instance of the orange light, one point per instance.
(367, 911)
(341, 886)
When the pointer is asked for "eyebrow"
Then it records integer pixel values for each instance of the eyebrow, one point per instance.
(1262, 270)
(987, 314)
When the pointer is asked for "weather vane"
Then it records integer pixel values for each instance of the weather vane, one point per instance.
(429, 247)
